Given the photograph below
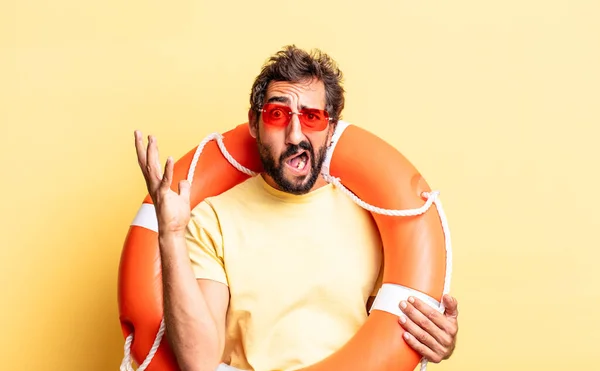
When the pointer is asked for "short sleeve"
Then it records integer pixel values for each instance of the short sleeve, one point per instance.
(204, 242)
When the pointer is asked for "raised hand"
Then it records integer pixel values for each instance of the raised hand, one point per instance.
(172, 208)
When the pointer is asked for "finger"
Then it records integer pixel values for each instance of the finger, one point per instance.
(451, 313)
(420, 348)
(451, 305)
(420, 335)
(139, 148)
(428, 319)
(184, 189)
(152, 162)
(168, 175)
(438, 319)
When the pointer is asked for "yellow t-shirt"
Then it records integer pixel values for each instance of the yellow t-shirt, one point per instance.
(299, 268)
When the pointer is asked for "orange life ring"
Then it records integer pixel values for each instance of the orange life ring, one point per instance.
(417, 252)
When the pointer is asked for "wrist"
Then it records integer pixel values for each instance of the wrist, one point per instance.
(170, 238)
(170, 228)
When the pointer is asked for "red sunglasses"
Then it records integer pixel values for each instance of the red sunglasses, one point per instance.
(311, 119)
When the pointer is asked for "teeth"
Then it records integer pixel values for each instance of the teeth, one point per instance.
(301, 164)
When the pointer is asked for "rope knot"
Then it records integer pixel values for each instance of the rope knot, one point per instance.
(433, 194)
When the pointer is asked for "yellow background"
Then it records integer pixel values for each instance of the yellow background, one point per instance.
(497, 103)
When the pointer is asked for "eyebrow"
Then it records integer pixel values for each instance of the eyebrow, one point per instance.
(284, 100)
(280, 99)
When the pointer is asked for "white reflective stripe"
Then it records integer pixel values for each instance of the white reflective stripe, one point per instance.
(146, 217)
(339, 129)
(389, 296)
(224, 367)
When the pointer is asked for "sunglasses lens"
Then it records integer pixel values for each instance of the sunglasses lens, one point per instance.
(314, 119)
(276, 115)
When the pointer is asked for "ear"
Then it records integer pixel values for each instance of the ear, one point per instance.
(252, 123)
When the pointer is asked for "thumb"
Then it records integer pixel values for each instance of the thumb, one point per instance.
(184, 189)
(451, 305)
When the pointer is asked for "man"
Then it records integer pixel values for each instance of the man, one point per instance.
(275, 273)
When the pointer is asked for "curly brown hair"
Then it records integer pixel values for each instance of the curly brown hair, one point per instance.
(294, 65)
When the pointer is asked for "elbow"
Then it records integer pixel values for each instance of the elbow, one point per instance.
(200, 363)
(195, 356)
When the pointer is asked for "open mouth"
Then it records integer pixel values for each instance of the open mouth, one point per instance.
(299, 161)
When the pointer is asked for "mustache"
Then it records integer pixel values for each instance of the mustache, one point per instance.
(295, 148)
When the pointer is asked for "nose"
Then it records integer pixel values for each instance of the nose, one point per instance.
(294, 133)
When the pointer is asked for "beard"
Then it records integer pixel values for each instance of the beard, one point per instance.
(297, 185)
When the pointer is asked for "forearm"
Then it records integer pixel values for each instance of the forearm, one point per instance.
(191, 329)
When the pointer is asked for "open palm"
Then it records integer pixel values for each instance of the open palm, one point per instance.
(172, 208)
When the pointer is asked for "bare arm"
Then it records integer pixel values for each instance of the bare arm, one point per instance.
(195, 310)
